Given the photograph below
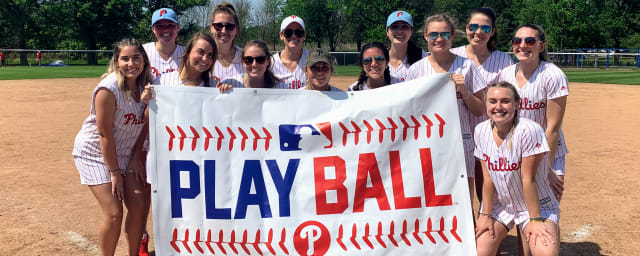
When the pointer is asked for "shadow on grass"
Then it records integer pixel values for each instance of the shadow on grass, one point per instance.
(510, 247)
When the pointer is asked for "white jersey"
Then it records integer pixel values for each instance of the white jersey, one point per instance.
(504, 162)
(221, 72)
(331, 89)
(362, 87)
(237, 81)
(173, 79)
(295, 79)
(128, 121)
(548, 82)
(399, 74)
(489, 70)
(160, 66)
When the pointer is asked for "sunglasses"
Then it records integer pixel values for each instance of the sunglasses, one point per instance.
(484, 28)
(399, 27)
(528, 41)
(218, 26)
(434, 35)
(368, 60)
(167, 26)
(319, 69)
(289, 32)
(249, 59)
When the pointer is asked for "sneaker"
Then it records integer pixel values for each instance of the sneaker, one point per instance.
(144, 246)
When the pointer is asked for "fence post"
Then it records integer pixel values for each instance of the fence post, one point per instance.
(608, 55)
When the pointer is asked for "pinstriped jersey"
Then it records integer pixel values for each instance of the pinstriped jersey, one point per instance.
(547, 82)
(173, 79)
(221, 72)
(237, 81)
(160, 66)
(399, 75)
(472, 81)
(128, 121)
(295, 79)
(504, 162)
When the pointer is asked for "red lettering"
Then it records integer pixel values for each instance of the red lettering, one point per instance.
(429, 187)
(134, 120)
(322, 185)
(399, 198)
(368, 167)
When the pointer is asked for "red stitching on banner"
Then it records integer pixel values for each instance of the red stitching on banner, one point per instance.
(441, 231)
(208, 242)
(429, 125)
(233, 241)
(366, 236)
(220, 137)
(197, 242)
(174, 240)
(339, 238)
(392, 232)
(267, 138)
(416, 231)
(354, 231)
(454, 229)
(171, 137)
(345, 130)
(220, 241)
(403, 235)
(183, 135)
(369, 130)
(243, 244)
(406, 126)
(206, 138)
(429, 230)
(244, 138)
(269, 241)
(379, 236)
(283, 239)
(441, 125)
(232, 137)
(185, 242)
(196, 136)
(256, 241)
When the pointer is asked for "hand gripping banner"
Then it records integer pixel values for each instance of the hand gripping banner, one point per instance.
(297, 172)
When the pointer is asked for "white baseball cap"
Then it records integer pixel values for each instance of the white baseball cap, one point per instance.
(291, 19)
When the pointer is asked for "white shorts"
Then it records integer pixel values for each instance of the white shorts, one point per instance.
(559, 165)
(521, 218)
(93, 172)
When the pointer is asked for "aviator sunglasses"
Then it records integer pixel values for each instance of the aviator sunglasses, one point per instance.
(484, 28)
(445, 35)
(218, 26)
(289, 32)
(528, 41)
(368, 60)
(249, 59)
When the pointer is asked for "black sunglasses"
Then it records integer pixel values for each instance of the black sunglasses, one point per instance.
(249, 59)
(218, 26)
(289, 32)
(484, 28)
(368, 60)
(528, 41)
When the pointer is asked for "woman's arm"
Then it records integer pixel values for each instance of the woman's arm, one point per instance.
(555, 114)
(472, 101)
(535, 229)
(485, 222)
(105, 107)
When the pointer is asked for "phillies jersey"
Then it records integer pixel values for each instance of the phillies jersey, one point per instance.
(237, 81)
(221, 72)
(295, 79)
(399, 75)
(547, 82)
(160, 66)
(503, 163)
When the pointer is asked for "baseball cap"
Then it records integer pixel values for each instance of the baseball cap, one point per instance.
(319, 55)
(164, 14)
(291, 19)
(399, 16)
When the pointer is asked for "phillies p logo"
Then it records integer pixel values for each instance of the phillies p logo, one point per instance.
(312, 238)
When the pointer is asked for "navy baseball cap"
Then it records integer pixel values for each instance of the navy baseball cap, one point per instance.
(399, 16)
(164, 14)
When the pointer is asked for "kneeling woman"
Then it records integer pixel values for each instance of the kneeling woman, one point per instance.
(256, 61)
(514, 152)
(374, 60)
(319, 68)
(103, 148)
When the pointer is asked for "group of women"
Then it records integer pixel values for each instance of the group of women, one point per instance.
(509, 113)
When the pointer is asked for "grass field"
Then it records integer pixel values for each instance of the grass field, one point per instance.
(605, 76)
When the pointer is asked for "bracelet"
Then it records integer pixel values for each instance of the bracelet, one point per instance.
(116, 170)
(484, 214)
(538, 219)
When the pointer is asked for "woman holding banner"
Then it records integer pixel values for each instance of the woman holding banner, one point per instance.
(439, 32)
(225, 28)
(103, 148)
(256, 60)
(513, 151)
(164, 54)
(403, 53)
(288, 64)
(374, 60)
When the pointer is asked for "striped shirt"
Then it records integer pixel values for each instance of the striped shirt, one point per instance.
(399, 74)
(160, 66)
(173, 79)
(237, 81)
(295, 79)
(221, 72)
(547, 82)
(504, 162)
(128, 121)
(472, 81)
(331, 89)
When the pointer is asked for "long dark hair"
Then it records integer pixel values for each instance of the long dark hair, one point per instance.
(206, 76)
(363, 75)
(414, 53)
(270, 80)
(541, 36)
(489, 12)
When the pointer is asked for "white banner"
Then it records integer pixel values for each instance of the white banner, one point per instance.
(297, 172)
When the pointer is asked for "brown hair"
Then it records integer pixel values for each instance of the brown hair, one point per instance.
(541, 36)
(206, 76)
(226, 8)
(270, 79)
(491, 14)
(143, 79)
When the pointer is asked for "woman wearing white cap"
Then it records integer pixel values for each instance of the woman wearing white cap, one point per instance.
(288, 64)
(164, 54)
(225, 27)
(403, 53)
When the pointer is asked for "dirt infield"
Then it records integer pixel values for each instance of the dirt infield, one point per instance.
(45, 211)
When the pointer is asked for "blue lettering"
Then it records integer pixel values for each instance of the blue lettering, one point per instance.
(283, 185)
(178, 193)
(210, 193)
(252, 173)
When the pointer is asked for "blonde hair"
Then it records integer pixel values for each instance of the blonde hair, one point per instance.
(440, 18)
(143, 79)
(516, 100)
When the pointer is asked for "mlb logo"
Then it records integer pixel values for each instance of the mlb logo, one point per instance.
(304, 136)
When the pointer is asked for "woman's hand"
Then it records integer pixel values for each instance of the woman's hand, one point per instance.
(537, 230)
(485, 224)
(117, 185)
(136, 167)
(147, 94)
(223, 87)
(461, 89)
